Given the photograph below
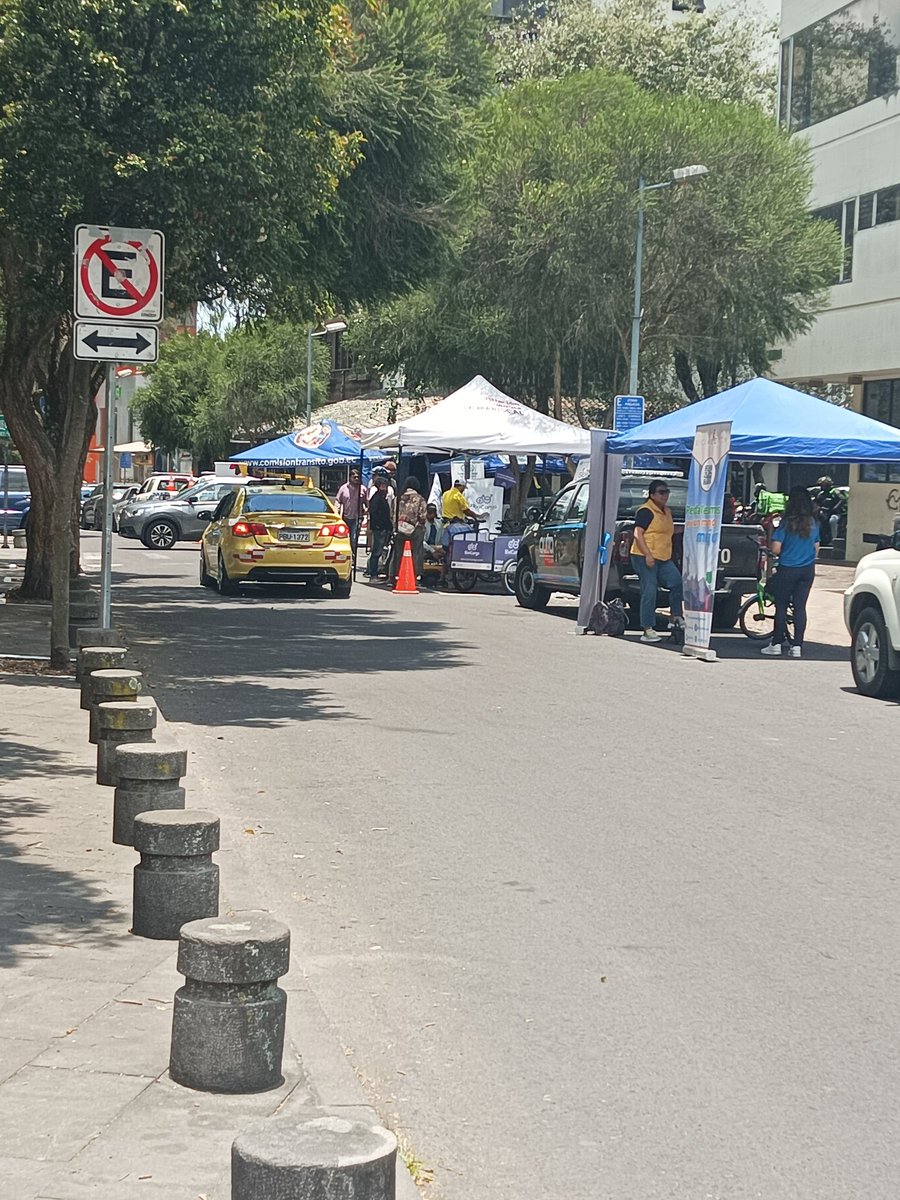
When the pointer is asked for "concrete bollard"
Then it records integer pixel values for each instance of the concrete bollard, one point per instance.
(319, 1156)
(147, 781)
(84, 610)
(121, 724)
(228, 1023)
(94, 636)
(112, 684)
(96, 658)
(176, 880)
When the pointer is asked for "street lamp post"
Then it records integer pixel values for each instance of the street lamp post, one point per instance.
(679, 175)
(332, 325)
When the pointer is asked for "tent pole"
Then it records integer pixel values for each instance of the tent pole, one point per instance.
(359, 507)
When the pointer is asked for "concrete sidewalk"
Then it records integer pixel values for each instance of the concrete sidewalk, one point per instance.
(86, 1106)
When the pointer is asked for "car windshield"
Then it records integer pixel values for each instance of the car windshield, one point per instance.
(294, 502)
(205, 485)
(634, 494)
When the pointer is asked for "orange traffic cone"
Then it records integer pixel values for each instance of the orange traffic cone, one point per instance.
(406, 580)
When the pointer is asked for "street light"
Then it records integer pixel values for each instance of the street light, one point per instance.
(679, 175)
(335, 324)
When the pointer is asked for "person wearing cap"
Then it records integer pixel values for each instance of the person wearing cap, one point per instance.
(651, 557)
(457, 515)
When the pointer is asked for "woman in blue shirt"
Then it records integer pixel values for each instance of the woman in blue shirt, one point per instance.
(796, 542)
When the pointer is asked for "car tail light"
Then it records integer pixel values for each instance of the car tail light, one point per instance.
(248, 529)
(623, 548)
(337, 529)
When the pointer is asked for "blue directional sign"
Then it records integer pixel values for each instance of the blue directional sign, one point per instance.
(628, 413)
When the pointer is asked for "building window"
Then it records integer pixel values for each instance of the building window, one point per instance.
(887, 205)
(843, 217)
(840, 62)
(881, 402)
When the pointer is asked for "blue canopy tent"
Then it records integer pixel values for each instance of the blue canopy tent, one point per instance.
(322, 444)
(769, 423)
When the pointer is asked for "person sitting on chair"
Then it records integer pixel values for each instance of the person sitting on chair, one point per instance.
(434, 529)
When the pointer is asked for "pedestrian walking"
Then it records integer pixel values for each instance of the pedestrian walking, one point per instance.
(410, 528)
(796, 542)
(351, 504)
(651, 556)
(381, 525)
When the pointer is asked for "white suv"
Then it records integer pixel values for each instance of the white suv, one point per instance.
(871, 614)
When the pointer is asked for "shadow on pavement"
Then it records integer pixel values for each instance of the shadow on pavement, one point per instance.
(250, 659)
(42, 904)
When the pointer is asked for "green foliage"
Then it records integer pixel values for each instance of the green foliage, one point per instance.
(418, 69)
(544, 261)
(723, 55)
(206, 391)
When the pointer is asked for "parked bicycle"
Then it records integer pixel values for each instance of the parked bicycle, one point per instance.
(757, 613)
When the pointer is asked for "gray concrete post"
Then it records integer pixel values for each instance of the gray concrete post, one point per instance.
(148, 780)
(176, 880)
(84, 610)
(120, 724)
(98, 637)
(228, 1021)
(319, 1156)
(112, 684)
(96, 658)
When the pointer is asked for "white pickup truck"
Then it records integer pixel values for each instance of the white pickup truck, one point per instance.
(872, 615)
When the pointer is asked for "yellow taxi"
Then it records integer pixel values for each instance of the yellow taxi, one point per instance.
(273, 532)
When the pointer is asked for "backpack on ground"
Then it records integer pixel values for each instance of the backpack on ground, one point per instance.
(607, 619)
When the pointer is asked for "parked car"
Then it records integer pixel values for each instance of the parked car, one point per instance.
(165, 484)
(13, 518)
(276, 533)
(551, 552)
(873, 622)
(92, 509)
(159, 521)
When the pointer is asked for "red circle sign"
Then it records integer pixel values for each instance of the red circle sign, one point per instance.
(137, 294)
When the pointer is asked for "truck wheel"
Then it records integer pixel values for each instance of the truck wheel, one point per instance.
(870, 655)
(530, 593)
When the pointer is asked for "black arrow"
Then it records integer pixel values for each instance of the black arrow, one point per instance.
(138, 343)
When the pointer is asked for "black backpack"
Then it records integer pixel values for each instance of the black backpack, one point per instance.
(608, 618)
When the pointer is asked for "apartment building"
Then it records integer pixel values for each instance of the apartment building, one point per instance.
(838, 89)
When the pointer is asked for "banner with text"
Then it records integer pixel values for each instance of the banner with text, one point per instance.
(702, 529)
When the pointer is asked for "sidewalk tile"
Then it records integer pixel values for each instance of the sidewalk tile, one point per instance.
(53, 1114)
(25, 1178)
(15, 1053)
(48, 1008)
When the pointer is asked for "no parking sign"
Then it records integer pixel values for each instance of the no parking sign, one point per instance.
(118, 274)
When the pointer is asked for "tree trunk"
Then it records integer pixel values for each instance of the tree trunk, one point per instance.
(685, 376)
(709, 375)
(51, 438)
(579, 406)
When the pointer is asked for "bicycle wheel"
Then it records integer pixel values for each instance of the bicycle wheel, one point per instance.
(509, 575)
(757, 618)
(462, 580)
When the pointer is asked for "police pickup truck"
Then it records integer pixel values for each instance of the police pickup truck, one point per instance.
(551, 552)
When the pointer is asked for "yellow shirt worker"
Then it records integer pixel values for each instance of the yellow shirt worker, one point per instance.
(454, 504)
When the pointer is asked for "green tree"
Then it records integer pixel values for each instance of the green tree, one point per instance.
(250, 385)
(727, 54)
(201, 119)
(416, 72)
(539, 292)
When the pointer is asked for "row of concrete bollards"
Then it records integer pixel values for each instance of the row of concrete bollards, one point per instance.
(228, 1024)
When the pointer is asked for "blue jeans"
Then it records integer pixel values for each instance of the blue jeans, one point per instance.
(378, 539)
(661, 574)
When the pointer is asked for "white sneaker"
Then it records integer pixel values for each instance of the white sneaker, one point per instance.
(772, 651)
(650, 635)
(796, 652)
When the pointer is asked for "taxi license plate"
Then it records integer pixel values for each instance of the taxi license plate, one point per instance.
(294, 535)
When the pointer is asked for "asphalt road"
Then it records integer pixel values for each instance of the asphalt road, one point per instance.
(592, 921)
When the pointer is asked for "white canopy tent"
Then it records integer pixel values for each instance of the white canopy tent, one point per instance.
(480, 419)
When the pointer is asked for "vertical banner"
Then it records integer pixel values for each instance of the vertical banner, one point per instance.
(702, 530)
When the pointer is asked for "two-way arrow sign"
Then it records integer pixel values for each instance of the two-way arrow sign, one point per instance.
(116, 343)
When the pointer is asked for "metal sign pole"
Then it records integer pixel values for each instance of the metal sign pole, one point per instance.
(5, 493)
(106, 543)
